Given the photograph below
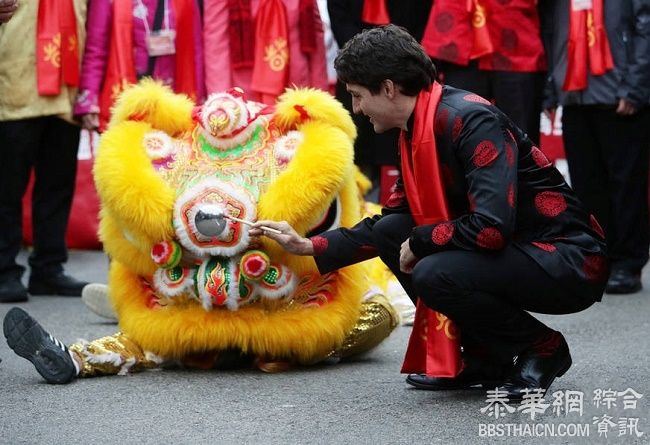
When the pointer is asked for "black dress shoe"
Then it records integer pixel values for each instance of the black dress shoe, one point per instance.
(59, 284)
(12, 291)
(536, 370)
(623, 282)
(474, 374)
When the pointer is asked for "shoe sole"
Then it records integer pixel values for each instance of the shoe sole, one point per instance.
(618, 291)
(95, 297)
(29, 340)
(14, 299)
(43, 289)
(471, 385)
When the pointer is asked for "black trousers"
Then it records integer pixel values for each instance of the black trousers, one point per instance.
(48, 147)
(608, 163)
(486, 294)
(518, 95)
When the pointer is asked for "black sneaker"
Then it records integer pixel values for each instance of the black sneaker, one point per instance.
(29, 340)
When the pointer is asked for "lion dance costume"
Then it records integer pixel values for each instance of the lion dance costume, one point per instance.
(186, 280)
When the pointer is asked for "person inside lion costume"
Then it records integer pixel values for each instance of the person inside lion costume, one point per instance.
(178, 186)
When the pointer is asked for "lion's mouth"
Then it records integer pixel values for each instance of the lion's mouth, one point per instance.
(212, 259)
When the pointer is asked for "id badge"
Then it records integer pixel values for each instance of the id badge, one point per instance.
(161, 43)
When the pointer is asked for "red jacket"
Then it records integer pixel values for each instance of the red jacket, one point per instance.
(512, 26)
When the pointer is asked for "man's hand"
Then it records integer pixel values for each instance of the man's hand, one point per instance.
(7, 9)
(406, 258)
(89, 121)
(625, 108)
(288, 238)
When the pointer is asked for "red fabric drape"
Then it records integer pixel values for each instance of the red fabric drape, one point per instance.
(375, 12)
(588, 46)
(271, 63)
(185, 80)
(434, 347)
(120, 71)
(451, 35)
(241, 29)
(57, 46)
(240, 32)
(307, 25)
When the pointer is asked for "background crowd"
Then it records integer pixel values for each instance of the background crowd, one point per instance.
(63, 62)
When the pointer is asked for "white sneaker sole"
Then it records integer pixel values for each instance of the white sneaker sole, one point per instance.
(95, 297)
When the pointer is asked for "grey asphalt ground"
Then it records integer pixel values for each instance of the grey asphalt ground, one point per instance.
(364, 401)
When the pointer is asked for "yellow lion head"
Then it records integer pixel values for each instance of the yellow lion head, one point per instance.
(176, 180)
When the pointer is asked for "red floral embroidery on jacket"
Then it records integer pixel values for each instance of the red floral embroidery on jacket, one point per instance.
(550, 204)
(457, 128)
(476, 98)
(441, 121)
(544, 246)
(595, 268)
(442, 233)
(485, 154)
(540, 158)
(320, 244)
(490, 238)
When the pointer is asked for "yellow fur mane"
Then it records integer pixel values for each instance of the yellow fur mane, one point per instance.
(137, 208)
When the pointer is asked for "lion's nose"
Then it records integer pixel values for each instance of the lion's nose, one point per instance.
(201, 219)
(210, 223)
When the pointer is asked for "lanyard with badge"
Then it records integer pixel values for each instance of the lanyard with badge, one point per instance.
(160, 42)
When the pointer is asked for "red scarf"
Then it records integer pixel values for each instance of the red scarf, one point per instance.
(246, 52)
(433, 348)
(307, 25)
(120, 71)
(57, 47)
(375, 12)
(588, 45)
(271, 69)
(185, 80)
(240, 32)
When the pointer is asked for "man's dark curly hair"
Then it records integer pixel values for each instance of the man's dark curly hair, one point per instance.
(386, 52)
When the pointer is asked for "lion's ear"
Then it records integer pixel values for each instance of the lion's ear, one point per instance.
(297, 106)
(196, 114)
(152, 102)
(304, 115)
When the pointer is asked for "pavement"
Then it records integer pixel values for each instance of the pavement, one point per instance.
(364, 401)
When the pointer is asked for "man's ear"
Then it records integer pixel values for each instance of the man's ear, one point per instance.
(388, 88)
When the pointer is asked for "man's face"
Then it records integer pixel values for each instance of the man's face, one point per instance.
(378, 107)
